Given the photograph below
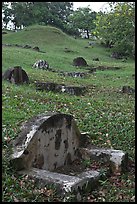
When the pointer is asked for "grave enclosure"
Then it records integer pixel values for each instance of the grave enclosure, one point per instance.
(53, 140)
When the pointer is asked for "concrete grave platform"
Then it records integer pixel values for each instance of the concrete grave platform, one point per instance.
(65, 184)
(61, 88)
(51, 141)
(116, 159)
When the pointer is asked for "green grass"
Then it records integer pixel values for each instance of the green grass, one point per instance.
(103, 111)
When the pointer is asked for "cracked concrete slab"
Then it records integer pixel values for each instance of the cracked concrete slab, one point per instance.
(64, 183)
(116, 158)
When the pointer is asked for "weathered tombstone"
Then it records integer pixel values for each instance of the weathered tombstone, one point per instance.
(79, 61)
(74, 74)
(7, 74)
(116, 55)
(18, 45)
(50, 86)
(27, 46)
(16, 75)
(91, 43)
(42, 64)
(51, 141)
(4, 32)
(96, 59)
(47, 142)
(36, 49)
(133, 76)
(128, 89)
(73, 90)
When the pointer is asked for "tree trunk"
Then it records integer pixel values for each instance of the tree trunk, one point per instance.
(87, 33)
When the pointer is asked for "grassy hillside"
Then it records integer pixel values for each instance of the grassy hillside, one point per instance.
(103, 111)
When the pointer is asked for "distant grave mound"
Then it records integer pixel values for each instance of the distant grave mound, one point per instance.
(16, 75)
(80, 61)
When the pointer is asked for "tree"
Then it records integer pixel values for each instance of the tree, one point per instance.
(6, 12)
(21, 14)
(116, 29)
(59, 12)
(83, 18)
(28, 13)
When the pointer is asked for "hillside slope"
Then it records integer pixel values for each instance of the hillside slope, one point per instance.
(53, 42)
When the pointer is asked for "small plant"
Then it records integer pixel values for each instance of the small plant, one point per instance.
(86, 162)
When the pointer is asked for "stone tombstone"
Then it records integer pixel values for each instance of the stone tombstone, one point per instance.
(91, 43)
(36, 49)
(79, 61)
(96, 59)
(42, 64)
(73, 74)
(116, 55)
(27, 46)
(128, 89)
(16, 75)
(4, 32)
(46, 141)
(62, 88)
(49, 86)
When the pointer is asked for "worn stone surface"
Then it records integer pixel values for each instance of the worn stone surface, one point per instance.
(16, 75)
(96, 59)
(128, 90)
(36, 49)
(41, 64)
(46, 142)
(74, 74)
(116, 55)
(79, 61)
(64, 183)
(116, 158)
(73, 90)
(91, 43)
(27, 46)
(50, 86)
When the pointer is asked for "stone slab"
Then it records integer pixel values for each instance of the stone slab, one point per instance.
(116, 158)
(64, 183)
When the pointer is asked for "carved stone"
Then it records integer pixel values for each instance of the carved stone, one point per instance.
(16, 75)
(47, 142)
(79, 61)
